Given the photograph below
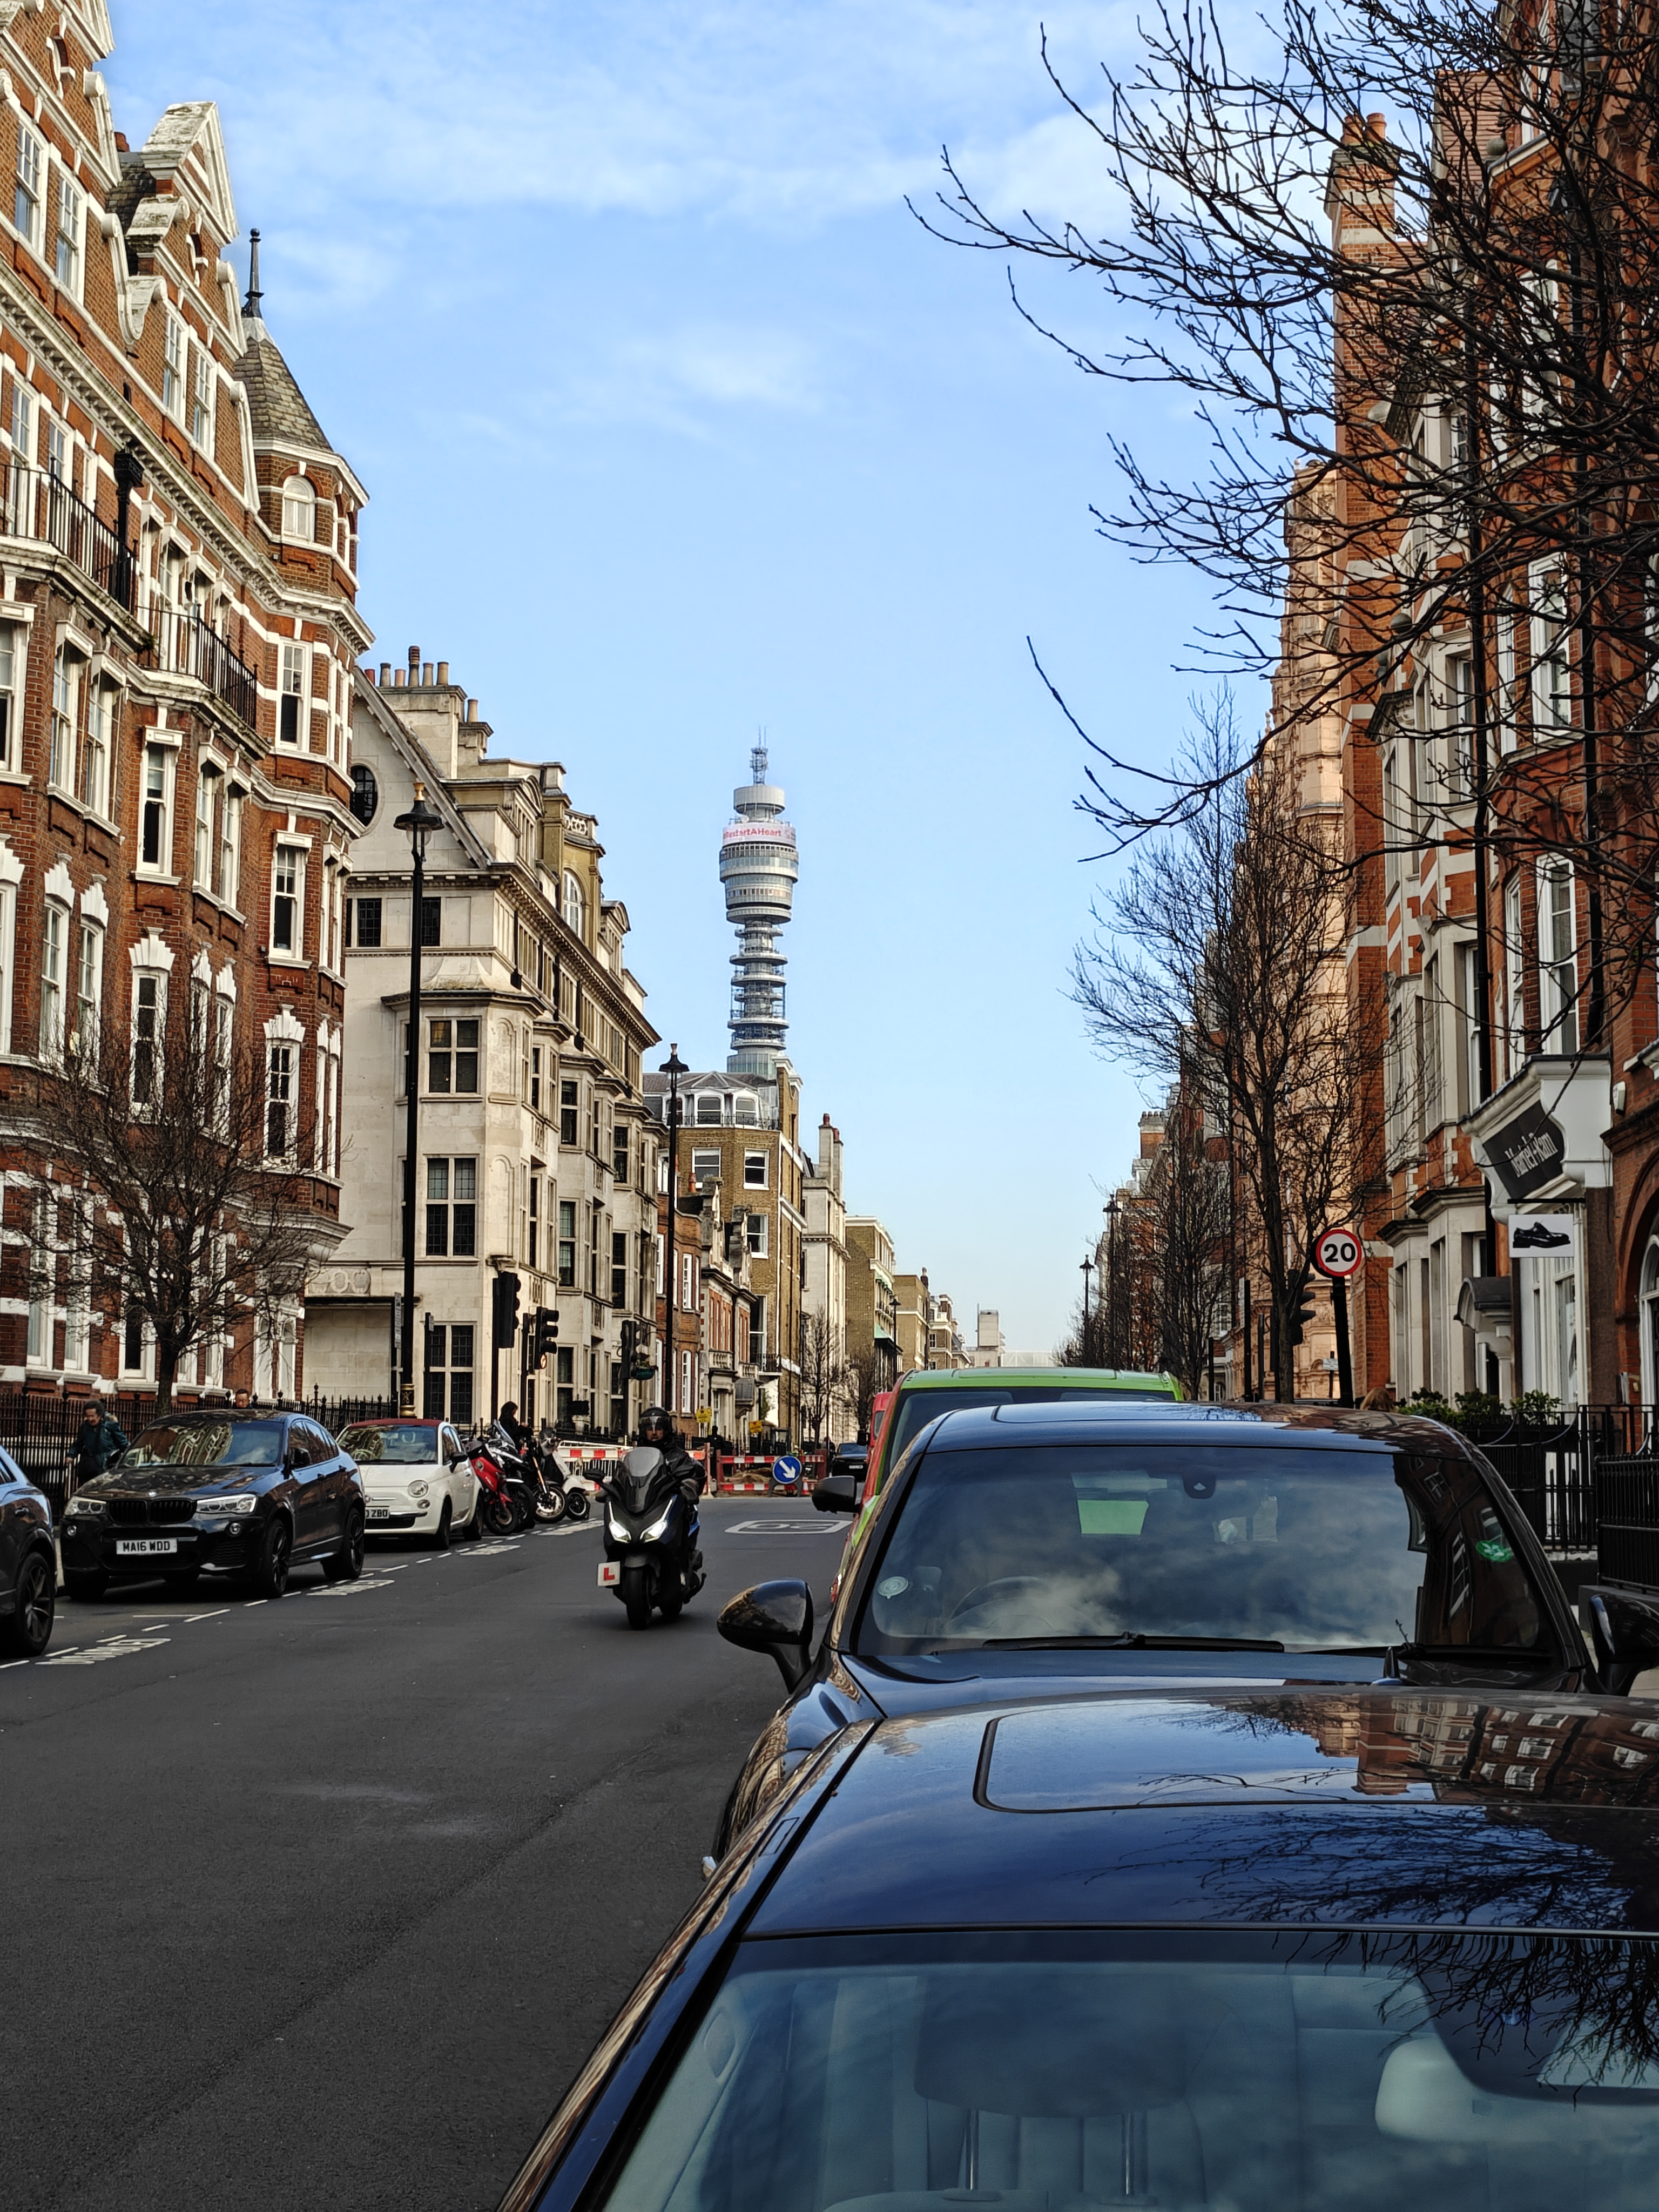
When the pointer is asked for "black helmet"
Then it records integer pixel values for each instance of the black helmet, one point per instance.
(656, 1417)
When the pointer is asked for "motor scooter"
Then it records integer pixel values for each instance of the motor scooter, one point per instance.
(567, 1495)
(651, 1555)
(504, 1504)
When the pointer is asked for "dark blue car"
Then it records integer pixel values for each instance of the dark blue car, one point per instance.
(1302, 1949)
(1047, 1551)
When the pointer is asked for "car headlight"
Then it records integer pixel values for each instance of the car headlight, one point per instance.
(83, 1508)
(417, 1489)
(659, 1527)
(215, 1509)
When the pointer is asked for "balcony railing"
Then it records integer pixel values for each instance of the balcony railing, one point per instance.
(182, 644)
(41, 506)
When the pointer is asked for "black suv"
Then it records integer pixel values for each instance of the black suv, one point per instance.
(28, 1571)
(227, 1492)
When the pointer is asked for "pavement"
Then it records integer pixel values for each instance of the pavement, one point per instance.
(324, 1901)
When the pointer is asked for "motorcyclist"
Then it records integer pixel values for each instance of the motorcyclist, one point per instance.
(657, 1429)
(523, 1443)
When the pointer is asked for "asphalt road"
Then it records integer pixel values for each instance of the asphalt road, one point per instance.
(324, 1902)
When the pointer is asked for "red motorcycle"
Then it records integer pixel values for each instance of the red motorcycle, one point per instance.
(499, 1510)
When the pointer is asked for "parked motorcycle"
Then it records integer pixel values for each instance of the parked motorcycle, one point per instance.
(567, 1493)
(503, 1502)
(651, 1555)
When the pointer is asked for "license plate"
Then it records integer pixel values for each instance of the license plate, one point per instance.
(379, 1512)
(610, 1573)
(135, 1548)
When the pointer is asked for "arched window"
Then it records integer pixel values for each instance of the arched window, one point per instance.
(365, 791)
(708, 1106)
(1651, 1323)
(576, 905)
(299, 510)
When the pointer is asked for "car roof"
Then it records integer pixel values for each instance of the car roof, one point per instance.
(1305, 1428)
(1365, 1806)
(1071, 1378)
(398, 1421)
(184, 1417)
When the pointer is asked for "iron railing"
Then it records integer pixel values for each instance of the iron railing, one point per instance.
(182, 644)
(1551, 1466)
(37, 505)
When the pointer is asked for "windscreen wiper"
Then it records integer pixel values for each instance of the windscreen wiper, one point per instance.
(1130, 1640)
(1490, 1655)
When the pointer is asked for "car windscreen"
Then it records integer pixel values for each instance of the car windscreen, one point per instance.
(1310, 1550)
(917, 1407)
(1284, 2072)
(399, 1444)
(206, 1443)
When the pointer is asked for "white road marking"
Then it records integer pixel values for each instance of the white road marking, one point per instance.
(781, 1528)
(207, 1616)
(119, 1647)
(346, 1589)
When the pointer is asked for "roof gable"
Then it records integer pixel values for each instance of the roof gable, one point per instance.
(186, 149)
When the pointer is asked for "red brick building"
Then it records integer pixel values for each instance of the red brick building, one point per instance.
(178, 633)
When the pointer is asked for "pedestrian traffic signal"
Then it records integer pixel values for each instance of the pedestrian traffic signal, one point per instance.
(1302, 1309)
(545, 1337)
(504, 1310)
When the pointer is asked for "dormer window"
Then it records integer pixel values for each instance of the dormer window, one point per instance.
(300, 510)
(576, 905)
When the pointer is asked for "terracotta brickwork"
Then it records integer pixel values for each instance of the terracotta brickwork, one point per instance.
(178, 634)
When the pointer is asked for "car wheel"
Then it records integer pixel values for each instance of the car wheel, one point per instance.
(636, 1597)
(28, 1631)
(439, 1539)
(85, 1587)
(346, 1565)
(276, 1557)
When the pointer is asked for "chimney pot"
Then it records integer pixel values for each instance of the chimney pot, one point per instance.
(1377, 126)
(385, 673)
(443, 673)
(414, 659)
(426, 676)
(397, 679)
(471, 710)
(369, 672)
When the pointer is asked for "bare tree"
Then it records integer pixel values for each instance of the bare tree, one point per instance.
(824, 1373)
(1516, 303)
(866, 1377)
(1218, 968)
(1193, 1216)
(176, 1191)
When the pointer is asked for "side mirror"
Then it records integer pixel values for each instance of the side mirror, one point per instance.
(1624, 1635)
(837, 1493)
(776, 1617)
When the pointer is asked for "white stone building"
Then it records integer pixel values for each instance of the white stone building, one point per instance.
(538, 1155)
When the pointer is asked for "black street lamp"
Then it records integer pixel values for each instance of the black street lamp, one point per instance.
(1087, 1265)
(1109, 1316)
(674, 1067)
(420, 822)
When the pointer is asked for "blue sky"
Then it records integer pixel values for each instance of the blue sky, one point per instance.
(676, 426)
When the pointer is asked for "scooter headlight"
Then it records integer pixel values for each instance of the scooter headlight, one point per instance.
(614, 1529)
(659, 1527)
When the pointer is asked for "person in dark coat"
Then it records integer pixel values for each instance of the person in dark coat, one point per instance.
(98, 1441)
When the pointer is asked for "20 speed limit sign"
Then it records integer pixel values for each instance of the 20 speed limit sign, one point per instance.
(1337, 1253)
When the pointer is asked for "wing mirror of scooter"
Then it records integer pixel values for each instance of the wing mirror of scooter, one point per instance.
(838, 1493)
(776, 1617)
(1624, 1635)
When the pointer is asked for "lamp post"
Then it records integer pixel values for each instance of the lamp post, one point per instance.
(1087, 1265)
(674, 1067)
(420, 822)
(1109, 1302)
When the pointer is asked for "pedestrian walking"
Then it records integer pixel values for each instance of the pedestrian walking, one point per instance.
(98, 1441)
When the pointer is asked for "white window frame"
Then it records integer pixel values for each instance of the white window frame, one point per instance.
(288, 887)
(54, 976)
(755, 1236)
(299, 511)
(65, 715)
(8, 883)
(292, 720)
(202, 382)
(149, 1025)
(1551, 679)
(227, 860)
(174, 358)
(157, 799)
(1558, 968)
(28, 186)
(88, 986)
(752, 1181)
(283, 1071)
(98, 747)
(574, 908)
(205, 843)
(67, 242)
(1509, 696)
(700, 1170)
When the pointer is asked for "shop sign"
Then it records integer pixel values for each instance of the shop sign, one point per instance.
(1528, 1152)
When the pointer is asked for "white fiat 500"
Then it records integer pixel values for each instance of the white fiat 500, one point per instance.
(416, 1480)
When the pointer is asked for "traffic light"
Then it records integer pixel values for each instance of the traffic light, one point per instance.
(504, 1304)
(1302, 1308)
(636, 1353)
(545, 1337)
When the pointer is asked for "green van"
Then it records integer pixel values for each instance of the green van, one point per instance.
(927, 1392)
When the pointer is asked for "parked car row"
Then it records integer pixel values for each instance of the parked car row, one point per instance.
(1197, 1806)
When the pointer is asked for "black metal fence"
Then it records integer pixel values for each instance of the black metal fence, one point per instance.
(1552, 1465)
